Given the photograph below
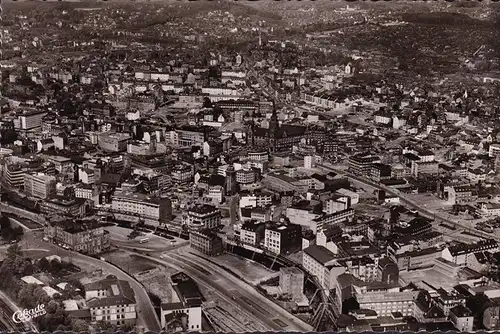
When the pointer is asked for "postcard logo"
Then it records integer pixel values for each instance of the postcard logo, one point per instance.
(26, 314)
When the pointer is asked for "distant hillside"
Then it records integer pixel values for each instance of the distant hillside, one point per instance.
(443, 18)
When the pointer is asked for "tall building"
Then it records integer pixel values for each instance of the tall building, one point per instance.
(230, 183)
(39, 185)
(281, 239)
(292, 282)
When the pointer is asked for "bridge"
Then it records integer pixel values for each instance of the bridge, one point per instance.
(328, 307)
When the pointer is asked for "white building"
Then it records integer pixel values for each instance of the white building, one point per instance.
(112, 301)
(184, 310)
(39, 185)
(309, 161)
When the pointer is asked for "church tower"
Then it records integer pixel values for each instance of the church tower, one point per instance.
(273, 129)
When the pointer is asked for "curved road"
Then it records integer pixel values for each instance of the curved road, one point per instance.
(237, 293)
(146, 315)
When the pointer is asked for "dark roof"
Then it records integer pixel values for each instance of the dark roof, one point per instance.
(473, 248)
(118, 292)
(461, 311)
(319, 253)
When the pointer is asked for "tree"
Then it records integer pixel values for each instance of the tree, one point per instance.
(44, 264)
(207, 103)
(13, 251)
(78, 325)
(4, 223)
(55, 266)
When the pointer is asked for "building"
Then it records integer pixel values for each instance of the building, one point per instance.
(494, 150)
(281, 239)
(387, 302)
(87, 191)
(206, 242)
(230, 182)
(135, 206)
(184, 310)
(462, 253)
(361, 164)
(14, 175)
(202, 217)
(62, 164)
(113, 142)
(462, 318)
(246, 176)
(85, 236)
(39, 185)
(182, 173)
(278, 138)
(280, 182)
(422, 168)
(255, 199)
(252, 232)
(111, 300)
(292, 282)
(320, 263)
(61, 205)
(380, 172)
(461, 194)
(30, 120)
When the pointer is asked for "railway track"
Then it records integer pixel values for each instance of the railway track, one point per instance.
(6, 315)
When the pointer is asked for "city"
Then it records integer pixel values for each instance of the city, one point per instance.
(228, 166)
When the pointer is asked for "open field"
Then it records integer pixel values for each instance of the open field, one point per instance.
(129, 263)
(252, 271)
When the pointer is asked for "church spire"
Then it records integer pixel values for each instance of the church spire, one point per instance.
(273, 123)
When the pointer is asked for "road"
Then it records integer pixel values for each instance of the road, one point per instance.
(146, 315)
(411, 204)
(239, 294)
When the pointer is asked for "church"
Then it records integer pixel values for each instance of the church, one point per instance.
(278, 138)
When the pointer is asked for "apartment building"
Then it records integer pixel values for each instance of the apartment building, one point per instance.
(206, 242)
(202, 217)
(75, 207)
(292, 282)
(39, 185)
(255, 199)
(87, 191)
(182, 173)
(320, 263)
(361, 164)
(252, 232)
(130, 205)
(387, 302)
(281, 239)
(462, 253)
(111, 300)
(29, 120)
(87, 236)
(113, 142)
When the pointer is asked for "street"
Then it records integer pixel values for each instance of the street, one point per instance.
(411, 204)
(146, 315)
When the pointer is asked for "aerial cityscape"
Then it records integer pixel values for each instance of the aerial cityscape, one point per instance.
(257, 166)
